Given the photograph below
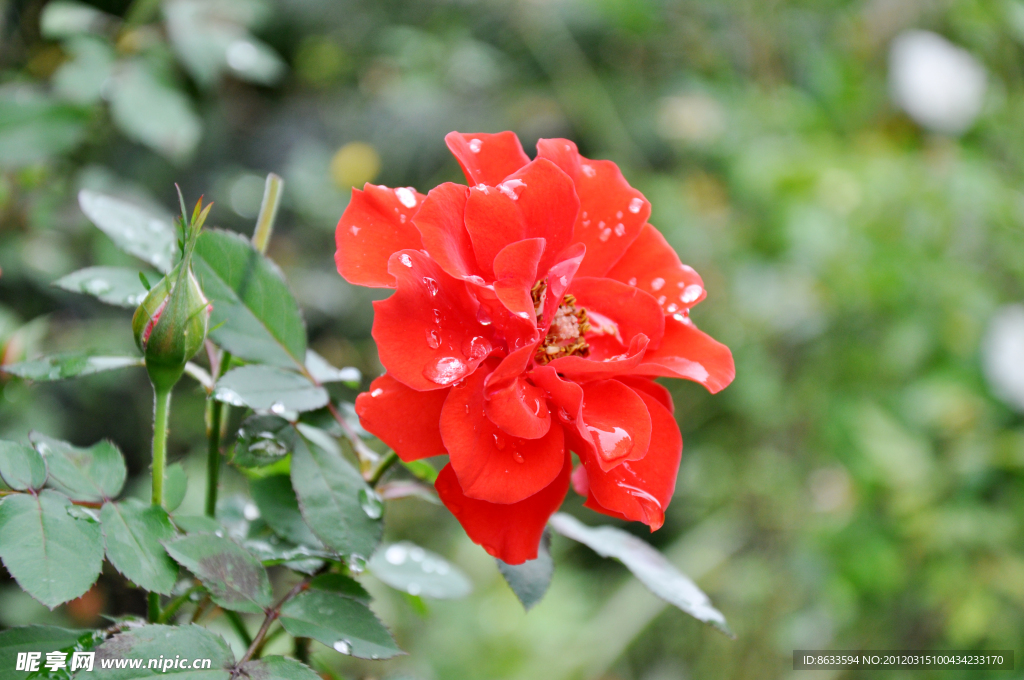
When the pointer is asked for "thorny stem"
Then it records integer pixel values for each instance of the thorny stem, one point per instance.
(216, 416)
(161, 407)
(272, 615)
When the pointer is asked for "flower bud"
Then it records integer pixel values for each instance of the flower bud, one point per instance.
(171, 324)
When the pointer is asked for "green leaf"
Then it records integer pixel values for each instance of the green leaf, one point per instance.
(271, 550)
(113, 285)
(422, 470)
(346, 625)
(236, 580)
(647, 564)
(170, 642)
(147, 235)
(96, 473)
(255, 316)
(279, 507)
(338, 583)
(62, 366)
(43, 639)
(323, 372)
(21, 466)
(262, 440)
(175, 487)
(64, 18)
(409, 568)
(530, 580)
(269, 388)
(133, 532)
(197, 524)
(276, 668)
(81, 79)
(34, 127)
(53, 556)
(328, 489)
(150, 109)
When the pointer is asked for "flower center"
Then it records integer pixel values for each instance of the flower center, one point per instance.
(565, 336)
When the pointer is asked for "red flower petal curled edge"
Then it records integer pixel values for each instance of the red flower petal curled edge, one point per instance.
(532, 311)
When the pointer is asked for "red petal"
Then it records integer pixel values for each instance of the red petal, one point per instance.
(515, 272)
(612, 213)
(442, 224)
(617, 422)
(640, 490)
(404, 419)
(487, 158)
(652, 265)
(630, 309)
(559, 278)
(659, 392)
(537, 201)
(376, 223)
(520, 409)
(492, 465)
(581, 370)
(691, 354)
(511, 532)
(427, 333)
(565, 395)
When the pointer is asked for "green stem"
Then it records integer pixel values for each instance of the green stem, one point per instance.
(239, 625)
(174, 605)
(389, 459)
(161, 408)
(268, 212)
(216, 416)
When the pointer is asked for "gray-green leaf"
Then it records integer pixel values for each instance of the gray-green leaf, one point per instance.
(276, 668)
(151, 642)
(407, 567)
(53, 556)
(43, 639)
(21, 466)
(269, 388)
(34, 127)
(339, 622)
(647, 564)
(63, 366)
(64, 18)
(323, 372)
(133, 532)
(262, 440)
(530, 580)
(147, 235)
(328, 489)
(235, 578)
(279, 507)
(255, 316)
(95, 473)
(117, 286)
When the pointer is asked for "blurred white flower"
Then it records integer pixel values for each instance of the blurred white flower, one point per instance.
(1003, 355)
(939, 85)
(695, 117)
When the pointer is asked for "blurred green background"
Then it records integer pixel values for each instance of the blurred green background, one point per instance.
(855, 210)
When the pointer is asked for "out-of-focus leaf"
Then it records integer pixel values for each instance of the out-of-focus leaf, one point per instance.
(280, 509)
(405, 488)
(407, 567)
(422, 469)
(65, 18)
(530, 580)
(21, 466)
(149, 236)
(269, 388)
(34, 127)
(339, 622)
(262, 440)
(132, 531)
(236, 580)
(197, 524)
(114, 285)
(323, 372)
(276, 668)
(82, 78)
(332, 496)
(175, 487)
(153, 641)
(94, 473)
(647, 564)
(65, 366)
(211, 40)
(53, 556)
(255, 316)
(152, 111)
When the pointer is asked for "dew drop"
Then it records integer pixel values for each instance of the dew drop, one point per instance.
(475, 145)
(672, 308)
(499, 442)
(512, 188)
(588, 170)
(635, 205)
(620, 229)
(564, 415)
(431, 285)
(433, 339)
(96, 287)
(517, 457)
(277, 408)
(437, 316)
(407, 196)
(356, 563)
(605, 234)
(446, 370)
(416, 553)
(402, 218)
(343, 646)
(413, 589)
(657, 283)
(354, 230)
(377, 392)
(691, 293)
(632, 281)
(405, 259)
(651, 509)
(371, 503)
(483, 316)
(396, 554)
(611, 444)
(476, 347)
(563, 281)
(661, 299)
(251, 512)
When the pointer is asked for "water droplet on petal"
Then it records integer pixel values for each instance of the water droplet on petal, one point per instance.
(517, 457)
(635, 205)
(446, 370)
(343, 646)
(606, 233)
(483, 316)
(371, 503)
(657, 283)
(611, 444)
(475, 145)
(512, 188)
(632, 281)
(377, 392)
(431, 285)
(396, 554)
(691, 293)
(651, 509)
(476, 347)
(499, 442)
(433, 339)
(672, 308)
(405, 259)
(588, 170)
(620, 229)
(437, 316)
(407, 196)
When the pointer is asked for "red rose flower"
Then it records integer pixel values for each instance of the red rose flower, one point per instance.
(532, 311)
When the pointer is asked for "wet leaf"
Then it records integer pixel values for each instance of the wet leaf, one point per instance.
(411, 569)
(53, 556)
(323, 372)
(269, 388)
(276, 668)
(170, 642)
(117, 286)
(138, 231)
(21, 466)
(280, 509)
(236, 580)
(530, 580)
(133, 532)
(342, 623)
(262, 440)
(63, 366)
(44, 639)
(94, 473)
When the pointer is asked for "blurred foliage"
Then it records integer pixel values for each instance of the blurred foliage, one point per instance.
(858, 486)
